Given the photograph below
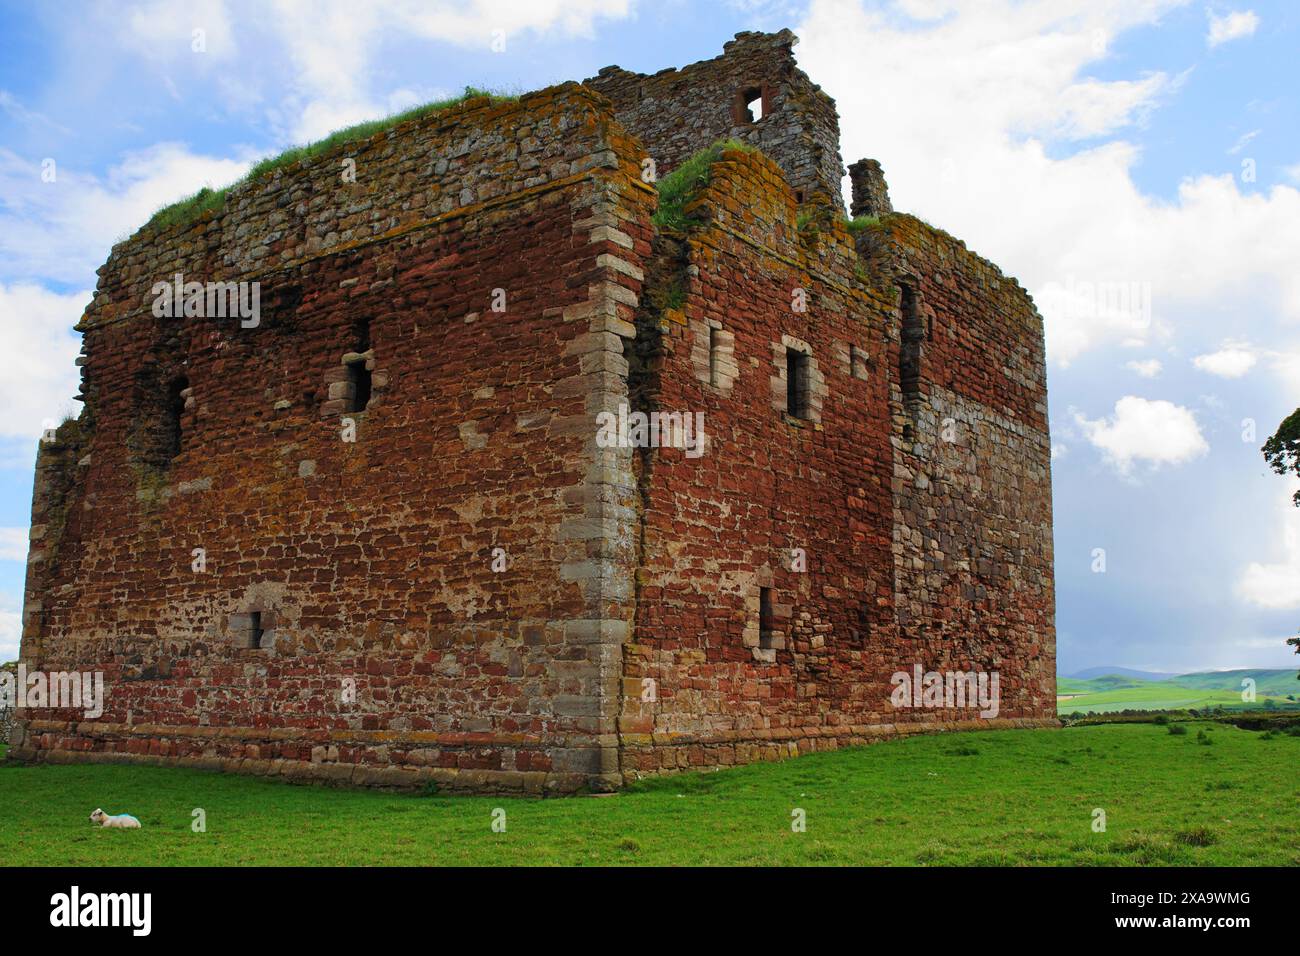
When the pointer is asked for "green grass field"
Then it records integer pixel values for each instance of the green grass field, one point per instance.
(1190, 691)
(995, 797)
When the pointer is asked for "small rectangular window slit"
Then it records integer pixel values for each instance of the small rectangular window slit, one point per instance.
(713, 356)
(796, 383)
(359, 380)
(172, 430)
(766, 618)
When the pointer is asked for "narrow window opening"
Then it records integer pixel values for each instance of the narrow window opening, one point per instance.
(909, 354)
(172, 431)
(750, 106)
(796, 383)
(255, 630)
(359, 380)
(766, 617)
(361, 334)
(713, 356)
(357, 396)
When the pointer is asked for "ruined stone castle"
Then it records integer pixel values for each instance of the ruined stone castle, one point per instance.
(372, 536)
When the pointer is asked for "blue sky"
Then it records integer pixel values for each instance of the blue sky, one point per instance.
(1087, 146)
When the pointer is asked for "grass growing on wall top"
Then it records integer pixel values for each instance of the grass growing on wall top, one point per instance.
(684, 183)
(369, 128)
(187, 210)
(206, 199)
(861, 223)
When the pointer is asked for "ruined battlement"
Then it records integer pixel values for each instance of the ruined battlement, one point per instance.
(753, 92)
(379, 536)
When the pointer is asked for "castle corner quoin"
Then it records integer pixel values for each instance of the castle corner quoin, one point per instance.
(469, 588)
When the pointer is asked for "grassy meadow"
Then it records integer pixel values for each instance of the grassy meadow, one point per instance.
(1027, 797)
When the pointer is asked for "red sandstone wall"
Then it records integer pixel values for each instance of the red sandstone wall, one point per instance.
(625, 636)
(371, 560)
(719, 527)
(972, 489)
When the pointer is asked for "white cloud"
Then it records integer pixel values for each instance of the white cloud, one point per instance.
(11, 105)
(1147, 368)
(320, 117)
(1232, 361)
(333, 44)
(1242, 141)
(1276, 585)
(63, 230)
(1235, 359)
(40, 381)
(1232, 26)
(195, 34)
(10, 635)
(11, 628)
(994, 93)
(13, 544)
(60, 232)
(1157, 432)
(1286, 364)
(1093, 107)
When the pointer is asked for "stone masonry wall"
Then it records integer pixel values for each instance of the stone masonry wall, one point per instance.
(676, 113)
(870, 194)
(457, 583)
(393, 652)
(972, 482)
(720, 527)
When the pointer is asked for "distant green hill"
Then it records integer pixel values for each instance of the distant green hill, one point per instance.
(1274, 682)
(1112, 682)
(1112, 692)
(1111, 670)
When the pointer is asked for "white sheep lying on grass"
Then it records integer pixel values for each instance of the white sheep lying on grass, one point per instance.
(123, 820)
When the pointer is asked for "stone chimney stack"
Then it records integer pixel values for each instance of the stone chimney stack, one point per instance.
(870, 193)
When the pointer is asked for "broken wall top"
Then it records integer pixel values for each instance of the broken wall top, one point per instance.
(678, 112)
(460, 161)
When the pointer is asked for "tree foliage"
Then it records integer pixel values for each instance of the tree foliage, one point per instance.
(1282, 451)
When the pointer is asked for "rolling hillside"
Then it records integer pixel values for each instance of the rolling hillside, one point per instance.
(1089, 673)
(1112, 692)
